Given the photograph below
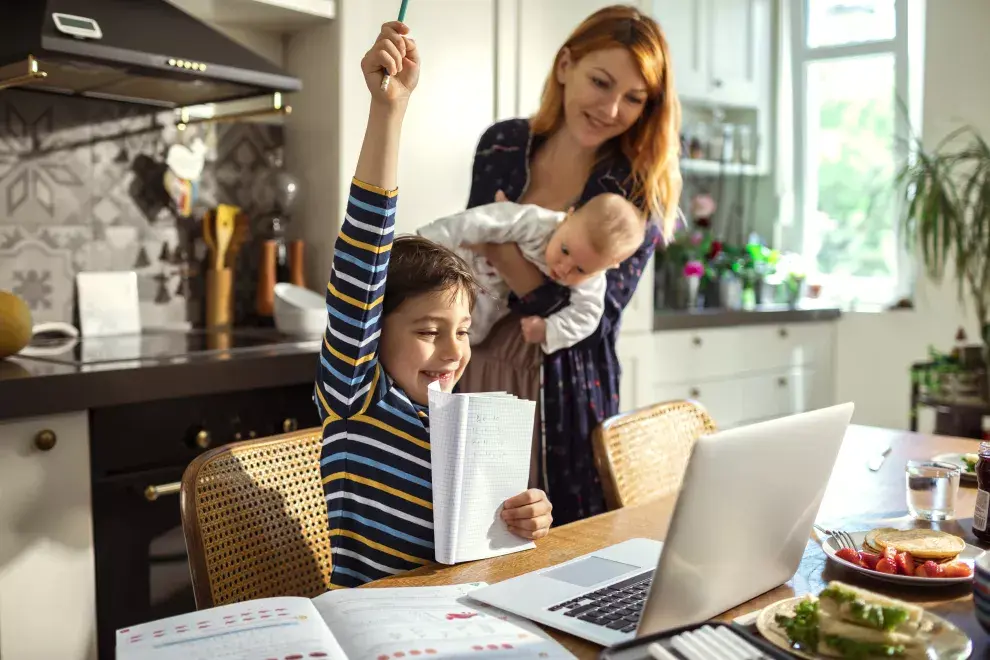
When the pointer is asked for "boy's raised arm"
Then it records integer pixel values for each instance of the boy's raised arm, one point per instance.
(349, 370)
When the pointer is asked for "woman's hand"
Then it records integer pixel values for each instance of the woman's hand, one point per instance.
(394, 52)
(528, 514)
(534, 329)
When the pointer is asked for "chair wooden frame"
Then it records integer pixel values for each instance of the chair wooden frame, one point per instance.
(642, 454)
(254, 518)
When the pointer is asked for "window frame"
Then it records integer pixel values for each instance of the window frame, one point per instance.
(904, 47)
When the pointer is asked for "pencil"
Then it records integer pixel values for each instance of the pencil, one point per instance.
(402, 17)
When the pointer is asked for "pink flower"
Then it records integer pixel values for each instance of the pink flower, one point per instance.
(694, 269)
(697, 237)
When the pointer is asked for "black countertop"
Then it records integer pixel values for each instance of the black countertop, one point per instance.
(698, 319)
(31, 387)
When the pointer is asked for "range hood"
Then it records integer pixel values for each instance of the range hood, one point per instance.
(139, 51)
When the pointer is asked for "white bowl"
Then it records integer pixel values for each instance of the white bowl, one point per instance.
(298, 297)
(301, 322)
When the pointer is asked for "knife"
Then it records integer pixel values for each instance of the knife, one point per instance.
(877, 461)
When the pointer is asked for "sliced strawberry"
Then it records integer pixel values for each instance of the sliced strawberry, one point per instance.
(884, 566)
(890, 554)
(957, 569)
(919, 571)
(869, 560)
(905, 563)
(849, 555)
(934, 570)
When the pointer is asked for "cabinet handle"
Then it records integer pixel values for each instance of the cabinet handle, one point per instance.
(696, 341)
(782, 382)
(783, 333)
(694, 393)
(289, 425)
(152, 493)
(45, 440)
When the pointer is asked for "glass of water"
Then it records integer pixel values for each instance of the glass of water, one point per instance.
(931, 489)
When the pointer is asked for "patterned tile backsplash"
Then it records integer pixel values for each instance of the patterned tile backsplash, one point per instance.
(81, 190)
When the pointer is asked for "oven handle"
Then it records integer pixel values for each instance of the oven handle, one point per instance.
(152, 493)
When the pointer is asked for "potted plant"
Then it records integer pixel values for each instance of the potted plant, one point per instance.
(946, 216)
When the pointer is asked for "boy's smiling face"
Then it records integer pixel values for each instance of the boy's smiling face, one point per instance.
(425, 339)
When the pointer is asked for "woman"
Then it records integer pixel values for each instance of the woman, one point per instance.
(609, 121)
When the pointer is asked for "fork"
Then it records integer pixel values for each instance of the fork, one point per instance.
(843, 538)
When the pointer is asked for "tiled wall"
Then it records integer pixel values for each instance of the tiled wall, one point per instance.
(81, 190)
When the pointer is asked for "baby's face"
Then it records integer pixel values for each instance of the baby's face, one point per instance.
(570, 256)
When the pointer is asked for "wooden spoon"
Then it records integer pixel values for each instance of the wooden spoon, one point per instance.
(225, 232)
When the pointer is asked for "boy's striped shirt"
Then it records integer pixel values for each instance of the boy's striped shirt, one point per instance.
(375, 461)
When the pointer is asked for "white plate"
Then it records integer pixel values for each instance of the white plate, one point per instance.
(968, 556)
(947, 641)
(956, 459)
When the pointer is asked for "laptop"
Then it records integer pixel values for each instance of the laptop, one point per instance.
(740, 526)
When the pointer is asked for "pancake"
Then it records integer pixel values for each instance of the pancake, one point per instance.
(920, 543)
(870, 543)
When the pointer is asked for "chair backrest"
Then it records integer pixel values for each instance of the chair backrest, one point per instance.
(642, 455)
(255, 520)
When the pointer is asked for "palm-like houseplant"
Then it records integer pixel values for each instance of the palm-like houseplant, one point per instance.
(946, 216)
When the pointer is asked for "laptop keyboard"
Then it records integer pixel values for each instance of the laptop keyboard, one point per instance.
(617, 606)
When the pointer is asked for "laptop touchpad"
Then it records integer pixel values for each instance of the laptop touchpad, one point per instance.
(590, 571)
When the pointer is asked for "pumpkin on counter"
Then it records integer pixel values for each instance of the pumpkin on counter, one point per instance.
(15, 324)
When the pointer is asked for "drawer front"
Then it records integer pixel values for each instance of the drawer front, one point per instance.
(722, 399)
(682, 355)
(172, 432)
(685, 355)
(784, 346)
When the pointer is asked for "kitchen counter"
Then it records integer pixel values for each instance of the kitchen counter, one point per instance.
(675, 319)
(30, 386)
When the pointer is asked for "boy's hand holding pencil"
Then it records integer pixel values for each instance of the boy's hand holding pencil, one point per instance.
(394, 55)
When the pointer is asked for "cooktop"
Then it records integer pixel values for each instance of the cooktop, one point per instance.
(158, 346)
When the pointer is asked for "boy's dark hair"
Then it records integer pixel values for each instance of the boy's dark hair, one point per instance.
(418, 265)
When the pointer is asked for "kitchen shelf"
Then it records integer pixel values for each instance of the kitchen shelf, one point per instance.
(697, 166)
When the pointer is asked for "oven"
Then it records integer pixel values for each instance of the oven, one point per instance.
(138, 454)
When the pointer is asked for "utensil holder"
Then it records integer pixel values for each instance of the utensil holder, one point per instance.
(219, 297)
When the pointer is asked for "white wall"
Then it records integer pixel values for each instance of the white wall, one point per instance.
(876, 350)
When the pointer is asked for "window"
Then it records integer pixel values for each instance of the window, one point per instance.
(852, 114)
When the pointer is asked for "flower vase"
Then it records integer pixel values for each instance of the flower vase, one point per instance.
(730, 291)
(693, 285)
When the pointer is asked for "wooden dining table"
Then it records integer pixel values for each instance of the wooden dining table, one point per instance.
(857, 499)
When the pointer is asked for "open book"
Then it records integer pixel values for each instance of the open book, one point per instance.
(480, 446)
(349, 624)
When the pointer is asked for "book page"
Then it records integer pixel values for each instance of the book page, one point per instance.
(429, 622)
(254, 630)
(496, 467)
(481, 448)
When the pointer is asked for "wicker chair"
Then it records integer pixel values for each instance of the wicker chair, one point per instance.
(255, 520)
(642, 454)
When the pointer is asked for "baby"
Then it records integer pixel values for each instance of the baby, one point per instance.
(574, 249)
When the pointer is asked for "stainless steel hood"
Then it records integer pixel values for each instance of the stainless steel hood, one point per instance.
(139, 51)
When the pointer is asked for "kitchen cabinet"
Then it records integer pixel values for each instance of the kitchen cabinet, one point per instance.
(266, 15)
(720, 49)
(46, 539)
(740, 374)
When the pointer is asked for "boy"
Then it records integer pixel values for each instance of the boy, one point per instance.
(573, 248)
(399, 318)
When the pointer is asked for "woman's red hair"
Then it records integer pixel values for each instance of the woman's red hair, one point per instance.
(652, 144)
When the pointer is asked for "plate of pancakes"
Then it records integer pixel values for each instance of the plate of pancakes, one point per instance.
(921, 557)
